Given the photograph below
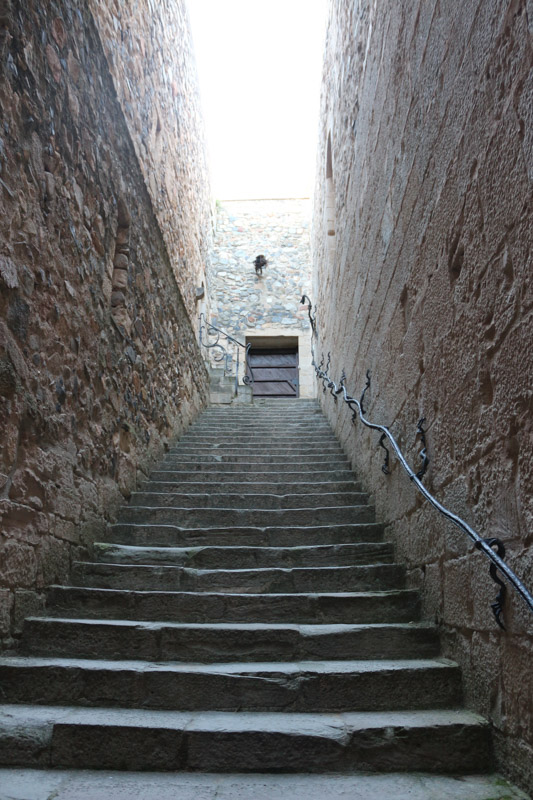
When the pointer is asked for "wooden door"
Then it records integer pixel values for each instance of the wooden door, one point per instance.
(274, 372)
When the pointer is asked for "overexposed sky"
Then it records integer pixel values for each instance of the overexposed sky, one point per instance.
(260, 66)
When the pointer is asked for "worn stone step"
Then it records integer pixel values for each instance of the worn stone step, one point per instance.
(263, 408)
(167, 577)
(401, 605)
(248, 557)
(280, 449)
(264, 440)
(141, 534)
(250, 488)
(208, 643)
(234, 472)
(254, 413)
(268, 434)
(289, 459)
(259, 686)
(254, 472)
(259, 403)
(105, 738)
(278, 452)
(227, 432)
(273, 420)
(43, 784)
(261, 500)
(243, 517)
(272, 427)
(297, 430)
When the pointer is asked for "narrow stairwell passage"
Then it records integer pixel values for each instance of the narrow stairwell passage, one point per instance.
(244, 615)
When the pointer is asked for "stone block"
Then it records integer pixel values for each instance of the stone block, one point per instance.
(18, 564)
(6, 608)
(27, 603)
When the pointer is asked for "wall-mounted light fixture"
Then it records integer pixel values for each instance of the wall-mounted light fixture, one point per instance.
(259, 263)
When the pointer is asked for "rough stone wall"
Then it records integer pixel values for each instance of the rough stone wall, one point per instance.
(99, 364)
(148, 47)
(277, 229)
(425, 279)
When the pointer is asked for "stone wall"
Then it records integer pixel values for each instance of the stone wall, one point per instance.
(149, 51)
(249, 305)
(423, 254)
(99, 364)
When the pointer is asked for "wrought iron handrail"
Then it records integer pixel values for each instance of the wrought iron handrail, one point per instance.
(485, 544)
(220, 353)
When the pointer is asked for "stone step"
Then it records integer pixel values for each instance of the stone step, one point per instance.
(401, 605)
(235, 472)
(270, 536)
(250, 488)
(257, 428)
(209, 643)
(246, 517)
(258, 408)
(105, 738)
(259, 686)
(167, 577)
(273, 434)
(334, 461)
(267, 434)
(301, 433)
(254, 412)
(272, 423)
(246, 557)
(261, 500)
(280, 449)
(273, 420)
(262, 408)
(43, 784)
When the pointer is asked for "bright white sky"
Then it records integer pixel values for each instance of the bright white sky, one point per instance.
(260, 65)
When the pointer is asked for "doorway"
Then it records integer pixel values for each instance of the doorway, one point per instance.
(274, 368)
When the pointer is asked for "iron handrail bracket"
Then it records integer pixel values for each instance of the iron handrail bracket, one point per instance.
(220, 352)
(485, 544)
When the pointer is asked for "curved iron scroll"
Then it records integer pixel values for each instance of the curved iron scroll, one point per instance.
(486, 545)
(211, 338)
(497, 606)
(312, 317)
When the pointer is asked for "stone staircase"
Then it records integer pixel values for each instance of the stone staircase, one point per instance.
(245, 614)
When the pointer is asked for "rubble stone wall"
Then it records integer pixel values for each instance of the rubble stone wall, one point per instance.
(99, 364)
(423, 252)
(148, 47)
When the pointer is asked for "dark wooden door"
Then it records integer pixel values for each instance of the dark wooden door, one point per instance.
(274, 372)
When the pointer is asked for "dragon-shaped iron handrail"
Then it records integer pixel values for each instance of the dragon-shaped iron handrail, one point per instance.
(220, 352)
(485, 544)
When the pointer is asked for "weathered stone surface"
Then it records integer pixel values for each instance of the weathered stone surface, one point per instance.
(283, 634)
(212, 643)
(78, 415)
(136, 739)
(6, 605)
(143, 534)
(248, 500)
(307, 686)
(244, 517)
(71, 785)
(157, 90)
(424, 177)
(170, 577)
(342, 607)
(240, 299)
